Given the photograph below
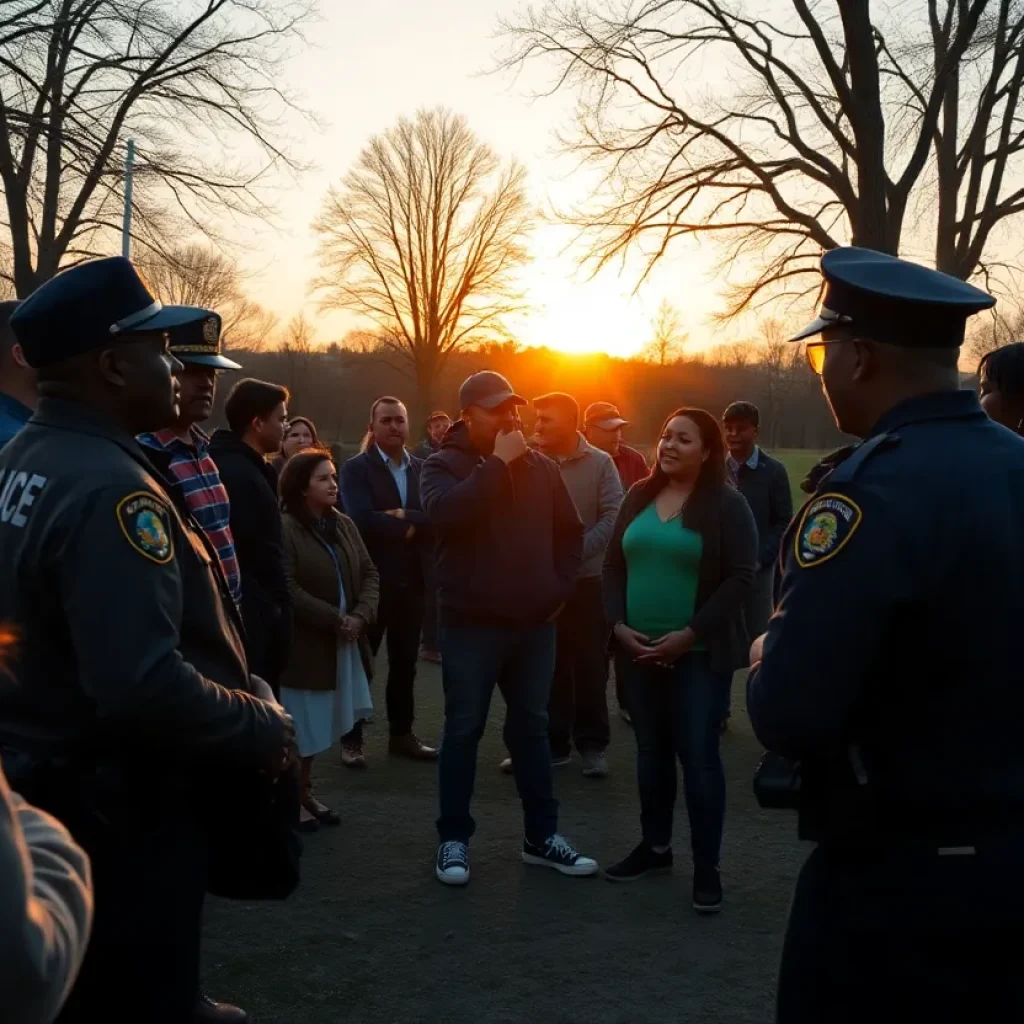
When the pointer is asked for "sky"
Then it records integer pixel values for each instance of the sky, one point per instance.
(372, 63)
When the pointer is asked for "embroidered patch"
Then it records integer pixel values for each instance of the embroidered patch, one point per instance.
(146, 523)
(828, 523)
(211, 331)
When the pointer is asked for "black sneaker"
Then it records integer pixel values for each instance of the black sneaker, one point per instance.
(558, 853)
(452, 867)
(642, 861)
(707, 890)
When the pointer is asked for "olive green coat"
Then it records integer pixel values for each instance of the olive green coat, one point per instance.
(313, 585)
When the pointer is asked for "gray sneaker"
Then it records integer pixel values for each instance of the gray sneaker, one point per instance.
(595, 765)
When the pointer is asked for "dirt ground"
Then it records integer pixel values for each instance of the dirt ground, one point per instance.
(372, 938)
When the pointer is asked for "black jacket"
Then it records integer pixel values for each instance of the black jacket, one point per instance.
(723, 519)
(509, 540)
(368, 490)
(766, 488)
(251, 483)
(126, 645)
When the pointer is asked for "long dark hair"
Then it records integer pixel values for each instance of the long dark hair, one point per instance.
(1004, 367)
(294, 482)
(712, 473)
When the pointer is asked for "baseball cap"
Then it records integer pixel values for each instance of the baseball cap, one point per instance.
(488, 390)
(604, 415)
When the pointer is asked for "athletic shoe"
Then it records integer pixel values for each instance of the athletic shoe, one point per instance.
(452, 866)
(506, 767)
(642, 861)
(560, 760)
(595, 765)
(558, 853)
(707, 890)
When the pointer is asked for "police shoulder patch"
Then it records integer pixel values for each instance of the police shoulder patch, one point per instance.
(828, 523)
(146, 523)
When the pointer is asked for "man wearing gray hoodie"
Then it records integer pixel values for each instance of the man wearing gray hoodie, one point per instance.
(578, 710)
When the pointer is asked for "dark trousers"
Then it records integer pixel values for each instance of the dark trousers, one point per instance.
(675, 715)
(578, 710)
(399, 617)
(429, 631)
(904, 937)
(268, 636)
(521, 662)
(149, 882)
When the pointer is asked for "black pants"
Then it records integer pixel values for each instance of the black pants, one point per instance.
(578, 710)
(400, 618)
(268, 637)
(905, 936)
(149, 878)
(430, 639)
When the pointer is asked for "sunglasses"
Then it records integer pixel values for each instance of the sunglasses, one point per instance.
(816, 352)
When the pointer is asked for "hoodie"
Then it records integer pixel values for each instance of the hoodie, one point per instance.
(509, 539)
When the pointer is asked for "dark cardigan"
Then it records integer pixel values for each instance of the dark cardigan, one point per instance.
(723, 518)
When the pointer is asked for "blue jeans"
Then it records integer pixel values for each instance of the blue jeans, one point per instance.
(676, 713)
(521, 660)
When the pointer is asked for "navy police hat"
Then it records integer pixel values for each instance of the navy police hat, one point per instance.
(88, 307)
(198, 341)
(893, 301)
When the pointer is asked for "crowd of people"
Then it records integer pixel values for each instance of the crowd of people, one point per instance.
(202, 614)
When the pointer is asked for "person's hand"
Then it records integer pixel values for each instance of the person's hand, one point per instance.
(511, 446)
(757, 651)
(634, 642)
(261, 688)
(558, 611)
(287, 752)
(397, 513)
(410, 533)
(669, 649)
(352, 626)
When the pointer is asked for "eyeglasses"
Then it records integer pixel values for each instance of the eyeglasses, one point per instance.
(816, 352)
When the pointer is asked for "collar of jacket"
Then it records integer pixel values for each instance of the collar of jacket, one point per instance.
(940, 405)
(583, 449)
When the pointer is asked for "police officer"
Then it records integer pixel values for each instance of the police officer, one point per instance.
(896, 634)
(131, 676)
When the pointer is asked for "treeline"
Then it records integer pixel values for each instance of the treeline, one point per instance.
(336, 386)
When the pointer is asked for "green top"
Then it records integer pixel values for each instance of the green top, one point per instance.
(662, 568)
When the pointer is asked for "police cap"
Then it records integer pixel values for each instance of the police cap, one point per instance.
(198, 341)
(893, 301)
(89, 307)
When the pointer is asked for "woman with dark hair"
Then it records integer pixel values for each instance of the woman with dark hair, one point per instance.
(679, 564)
(1001, 376)
(334, 589)
(299, 435)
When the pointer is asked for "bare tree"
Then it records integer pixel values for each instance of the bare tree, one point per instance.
(668, 338)
(779, 364)
(183, 77)
(198, 275)
(785, 134)
(424, 237)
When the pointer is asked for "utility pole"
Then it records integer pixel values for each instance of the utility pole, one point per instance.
(126, 230)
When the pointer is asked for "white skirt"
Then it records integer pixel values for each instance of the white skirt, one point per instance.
(323, 716)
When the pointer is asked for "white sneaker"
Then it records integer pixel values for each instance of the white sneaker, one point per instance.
(558, 853)
(452, 866)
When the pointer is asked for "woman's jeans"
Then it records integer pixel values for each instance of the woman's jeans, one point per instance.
(676, 713)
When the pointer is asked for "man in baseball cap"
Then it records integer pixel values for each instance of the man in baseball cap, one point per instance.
(602, 427)
(509, 549)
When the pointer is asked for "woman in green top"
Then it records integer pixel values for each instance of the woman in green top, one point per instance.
(680, 560)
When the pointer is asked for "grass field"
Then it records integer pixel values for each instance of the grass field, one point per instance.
(798, 462)
(372, 938)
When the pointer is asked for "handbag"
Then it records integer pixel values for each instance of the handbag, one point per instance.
(253, 849)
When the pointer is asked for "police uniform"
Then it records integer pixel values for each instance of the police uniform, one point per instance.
(130, 670)
(896, 635)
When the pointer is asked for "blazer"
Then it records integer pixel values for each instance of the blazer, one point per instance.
(368, 490)
(766, 488)
(723, 518)
(313, 585)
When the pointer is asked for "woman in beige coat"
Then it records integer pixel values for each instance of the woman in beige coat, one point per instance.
(334, 589)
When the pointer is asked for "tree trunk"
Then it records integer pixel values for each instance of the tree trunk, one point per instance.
(948, 179)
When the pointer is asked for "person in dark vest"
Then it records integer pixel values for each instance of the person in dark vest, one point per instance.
(131, 673)
(896, 634)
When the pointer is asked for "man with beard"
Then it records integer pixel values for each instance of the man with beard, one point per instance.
(131, 675)
(257, 413)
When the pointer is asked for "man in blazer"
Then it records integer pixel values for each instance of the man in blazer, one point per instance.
(381, 493)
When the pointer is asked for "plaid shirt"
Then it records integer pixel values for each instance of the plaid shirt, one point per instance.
(205, 495)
